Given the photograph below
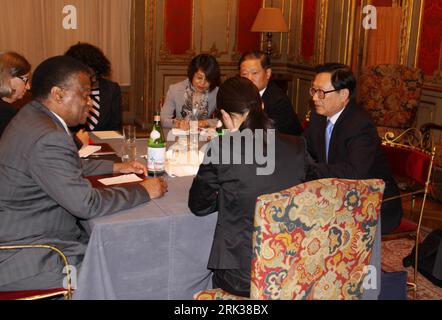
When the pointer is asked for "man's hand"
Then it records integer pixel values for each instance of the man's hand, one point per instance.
(130, 167)
(156, 187)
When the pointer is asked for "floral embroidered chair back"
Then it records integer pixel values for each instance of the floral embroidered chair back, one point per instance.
(315, 240)
(391, 94)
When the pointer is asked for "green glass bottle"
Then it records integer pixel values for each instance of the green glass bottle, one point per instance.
(219, 128)
(156, 148)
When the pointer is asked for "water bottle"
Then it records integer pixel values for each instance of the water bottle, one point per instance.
(219, 128)
(193, 130)
(156, 149)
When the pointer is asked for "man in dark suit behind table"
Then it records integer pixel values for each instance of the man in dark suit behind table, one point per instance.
(43, 192)
(256, 67)
(343, 141)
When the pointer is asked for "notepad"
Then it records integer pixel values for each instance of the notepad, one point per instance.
(88, 150)
(108, 134)
(126, 178)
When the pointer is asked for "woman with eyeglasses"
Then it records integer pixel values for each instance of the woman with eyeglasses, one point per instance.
(16, 72)
(196, 93)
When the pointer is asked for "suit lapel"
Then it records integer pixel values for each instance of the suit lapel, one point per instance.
(266, 96)
(322, 123)
(336, 129)
(37, 105)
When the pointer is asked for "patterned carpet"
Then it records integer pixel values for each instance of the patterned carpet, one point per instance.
(393, 251)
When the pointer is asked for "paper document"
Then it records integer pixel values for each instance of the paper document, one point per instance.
(107, 134)
(120, 179)
(88, 150)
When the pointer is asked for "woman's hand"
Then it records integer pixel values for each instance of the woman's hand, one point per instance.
(227, 120)
(182, 124)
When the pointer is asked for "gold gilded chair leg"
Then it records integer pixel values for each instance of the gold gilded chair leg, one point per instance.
(413, 286)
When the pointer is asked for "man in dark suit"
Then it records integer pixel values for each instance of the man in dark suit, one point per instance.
(43, 192)
(256, 67)
(343, 141)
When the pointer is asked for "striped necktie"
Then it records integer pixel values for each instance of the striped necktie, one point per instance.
(328, 132)
(94, 114)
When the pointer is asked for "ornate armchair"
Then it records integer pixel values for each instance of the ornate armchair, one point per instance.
(411, 161)
(391, 94)
(312, 241)
(41, 293)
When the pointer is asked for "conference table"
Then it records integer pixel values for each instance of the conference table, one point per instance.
(158, 250)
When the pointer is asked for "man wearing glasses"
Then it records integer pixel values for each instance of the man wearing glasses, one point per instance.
(342, 139)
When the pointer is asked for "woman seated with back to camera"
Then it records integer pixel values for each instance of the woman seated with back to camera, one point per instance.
(197, 91)
(232, 189)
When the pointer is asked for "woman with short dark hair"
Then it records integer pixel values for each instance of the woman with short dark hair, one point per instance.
(229, 182)
(16, 73)
(106, 113)
(196, 93)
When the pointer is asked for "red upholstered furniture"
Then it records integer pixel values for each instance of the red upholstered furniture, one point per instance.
(43, 293)
(411, 165)
(312, 241)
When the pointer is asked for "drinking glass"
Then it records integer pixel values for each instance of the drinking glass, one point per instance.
(129, 133)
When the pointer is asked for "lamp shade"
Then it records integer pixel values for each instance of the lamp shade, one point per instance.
(269, 20)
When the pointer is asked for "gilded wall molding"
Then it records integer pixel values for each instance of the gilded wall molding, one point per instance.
(419, 31)
(323, 12)
(166, 56)
(350, 33)
(289, 43)
(150, 48)
(407, 16)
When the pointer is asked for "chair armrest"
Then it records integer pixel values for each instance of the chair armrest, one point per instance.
(52, 248)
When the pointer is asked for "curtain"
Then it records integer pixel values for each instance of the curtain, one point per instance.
(34, 28)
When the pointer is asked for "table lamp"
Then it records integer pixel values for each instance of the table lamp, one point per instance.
(269, 20)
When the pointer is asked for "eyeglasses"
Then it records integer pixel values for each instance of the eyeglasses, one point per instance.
(25, 79)
(321, 93)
